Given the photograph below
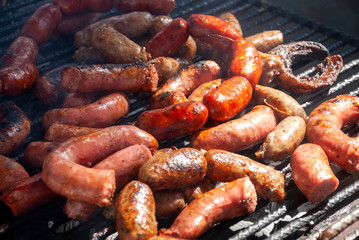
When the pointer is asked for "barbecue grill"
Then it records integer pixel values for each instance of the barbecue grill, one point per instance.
(294, 218)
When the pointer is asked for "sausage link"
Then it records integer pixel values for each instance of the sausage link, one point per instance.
(94, 78)
(237, 134)
(178, 168)
(311, 172)
(169, 203)
(156, 7)
(65, 172)
(59, 132)
(102, 113)
(225, 166)
(89, 54)
(14, 127)
(197, 190)
(135, 212)
(11, 173)
(203, 89)
(36, 152)
(234, 199)
(230, 98)
(77, 6)
(22, 50)
(42, 23)
(267, 40)
(166, 67)
(79, 99)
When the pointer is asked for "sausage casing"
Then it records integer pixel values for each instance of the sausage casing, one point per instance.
(153, 6)
(22, 50)
(11, 173)
(60, 132)
(267, 40)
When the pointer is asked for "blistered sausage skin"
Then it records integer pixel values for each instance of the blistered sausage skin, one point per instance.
(11, 173)
(36, 152)
(266, 40)
(14, 127)
(324, 128)
(94, 78)
(312, 173)
(156, 7)
(168, 203)
(178, 168)
(237, 134)
(126, 164)
(59, 132)
(22, 50)
(42, 23)
(230, 98)
(65, 172)
(135, 212)
(173, 121)
(225, 166)
(234, 199)
(102, 113)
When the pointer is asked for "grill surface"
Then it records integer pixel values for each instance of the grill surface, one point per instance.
(291, 219)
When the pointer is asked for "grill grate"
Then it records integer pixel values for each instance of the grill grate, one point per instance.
(293, 218)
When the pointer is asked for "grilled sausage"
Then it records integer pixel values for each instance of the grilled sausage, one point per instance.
(231, 19)
(76, 6)
(79, 99)
(135, 212)
(197, 190)
(203, 89)
(234, 199)
(267, 40)
(156, 7)
(89, 55)
(230, 98)
(324, 128)
(14, 127)
(11, 173)
(311, 172)
(63, 166)
(174, 121)
(42, 23)
(237, 134)
(59, 132)
(126, 164)
(225, 166)
(166, 67)
(168, 203)
(178, 168)
(36, 152)
(22, 50)
(102, 113)
(131, 77)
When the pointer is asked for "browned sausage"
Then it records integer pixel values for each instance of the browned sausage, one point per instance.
(76, 6)
(14, 127)
(94, 78)
(197, 190)
(225, 166)
(168, 203)
(284, 139)
(153, 6)
(178, 168)
(11, 173)
(311, 172)
(102, 113)
(231, 19)
(65, 172)
(36, 152)
(202, 90)
(234, 199)
(42, 23)
(266, 40)
(135, 212)
(22, 50)
(174, 121)
(230, 98)
(89, 55)
(237, 134)
(79, 99)
(166, 67)
(59, 132)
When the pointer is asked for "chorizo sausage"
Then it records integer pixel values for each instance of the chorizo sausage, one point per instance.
(36, 152)
(65, 172)
(178, 168)
(22, 50)
(11, 173)
(94, 78)
(59, 132)
(234, 199)
(135, 212)
(267, 40)
(102, 113)
(156, 7)
(237, 134)
(324, 128)
(202, 90)
(311, 172)
(173, 121)
(225, 166)
(168, 203)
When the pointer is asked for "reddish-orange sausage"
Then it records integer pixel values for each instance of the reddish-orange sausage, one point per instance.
(238, 134)
(234, 199)
(230, 98)
(65, 172)
(174, 121)
(202, 90)
(311, 172)
(76, 6)
(36, 152)
(11, 173)
(22, 50)
(42, 23)
(156, 7)
(102, 113)
(59, 132)
(169, 39)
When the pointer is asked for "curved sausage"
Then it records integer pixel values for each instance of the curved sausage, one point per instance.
(174, 121)
(324, 128)
(156, 7)
(11, 173)
(225, 166)
(102, 113)
(94, 78)
(59, 132)
(14, 127)
(230, 98)
(65, 172)
(203, 89)
(267, 40)
(234, 199)
(76, 6)
(178, 168)
(285, 138)
(79, 99)
(22, 50)
(36, 152)
(311, 172)
(237, 134)
(42, 23)
(197, 190)
(231, 19)
(135, 212)
(168, 203)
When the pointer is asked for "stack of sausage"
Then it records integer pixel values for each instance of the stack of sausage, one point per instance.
(87, 158)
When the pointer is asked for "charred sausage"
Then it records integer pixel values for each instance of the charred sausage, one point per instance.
(11, 173)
